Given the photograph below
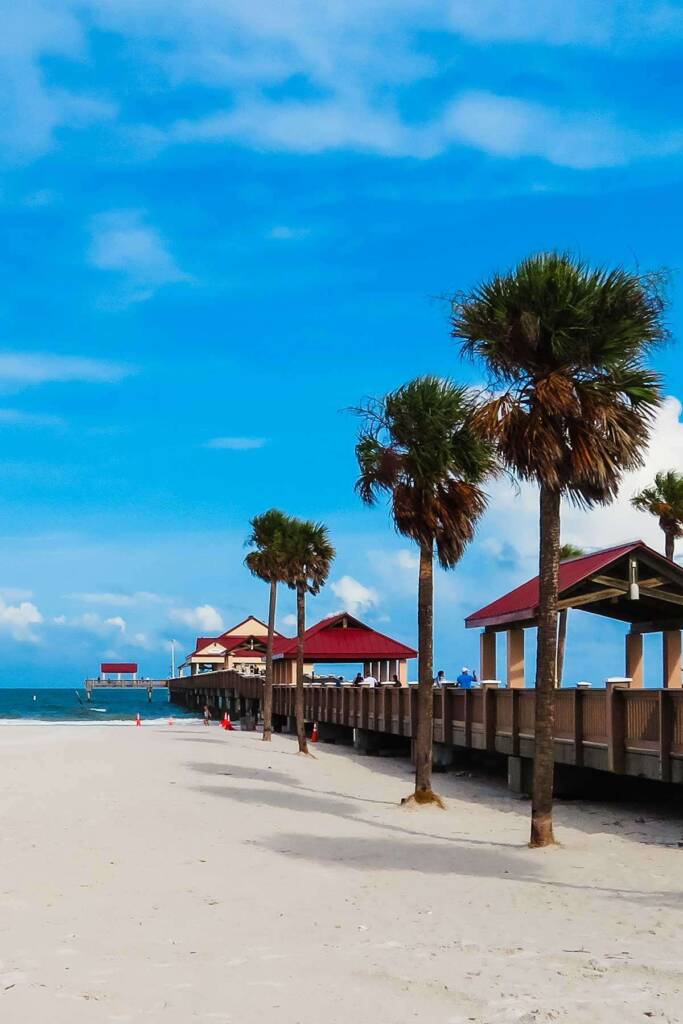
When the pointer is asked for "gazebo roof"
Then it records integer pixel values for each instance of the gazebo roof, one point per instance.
(599, 583)
(343, 638)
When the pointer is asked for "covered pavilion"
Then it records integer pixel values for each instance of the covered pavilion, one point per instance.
(630, 582)
(343, 639)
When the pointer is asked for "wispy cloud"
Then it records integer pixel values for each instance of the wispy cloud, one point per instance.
(119, 599)
(24, 368)
(286, 233)
(122, 242)
(17, 417)
(236, 444)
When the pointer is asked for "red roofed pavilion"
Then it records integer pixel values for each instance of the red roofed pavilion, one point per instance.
(630, 582)
(343, 639)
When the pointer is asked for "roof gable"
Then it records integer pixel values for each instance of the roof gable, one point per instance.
(344, 637)
(521, 604)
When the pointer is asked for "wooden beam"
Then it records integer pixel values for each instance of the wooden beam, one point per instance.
(652, 626)
(611, 581)
(662, 595)
(598, 595)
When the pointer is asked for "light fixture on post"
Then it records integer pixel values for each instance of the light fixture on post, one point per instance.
(633, 588)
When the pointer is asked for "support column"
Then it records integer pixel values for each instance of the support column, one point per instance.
(515, 652)
(671, 659)
(487, 656)
(634, 659)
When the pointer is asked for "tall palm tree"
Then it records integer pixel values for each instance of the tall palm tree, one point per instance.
(308, 557)
(418, 446)
(564, 346)
(664, 499)
(266, 561)
(566, 551)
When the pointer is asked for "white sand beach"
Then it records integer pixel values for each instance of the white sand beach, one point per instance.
(180, 874)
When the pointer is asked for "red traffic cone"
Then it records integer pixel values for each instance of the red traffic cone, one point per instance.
(170, 721)
(224, 722)
(314, 734)
(227, 724)
(137, 718)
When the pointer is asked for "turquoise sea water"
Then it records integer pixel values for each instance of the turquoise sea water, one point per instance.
(73, 706)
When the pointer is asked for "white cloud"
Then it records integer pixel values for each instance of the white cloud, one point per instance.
(32, 109)
(93, 622)
(122, 242)
(355, 597)
(592, 23)
(16, 417)
(358, 59)
(406, 559)
(289, 621)
(24, 369)
(236, 444)
(204, 618)
(17, 620)
(118, 600)
(509, 127)
(15, 593)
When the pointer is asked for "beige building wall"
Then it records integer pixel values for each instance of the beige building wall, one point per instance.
(251, 627)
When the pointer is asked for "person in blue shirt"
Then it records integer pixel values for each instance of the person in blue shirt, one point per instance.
(466, 679)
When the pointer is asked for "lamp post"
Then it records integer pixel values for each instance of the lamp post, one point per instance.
(173, 643)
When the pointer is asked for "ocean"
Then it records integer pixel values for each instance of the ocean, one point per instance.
(107, 705)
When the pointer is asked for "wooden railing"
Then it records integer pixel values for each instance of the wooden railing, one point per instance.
(621, 730)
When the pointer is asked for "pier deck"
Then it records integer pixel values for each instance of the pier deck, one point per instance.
(624, 731)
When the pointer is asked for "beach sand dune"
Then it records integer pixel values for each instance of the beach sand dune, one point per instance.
(181, 874)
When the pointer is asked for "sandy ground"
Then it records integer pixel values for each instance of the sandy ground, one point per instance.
(180, 874)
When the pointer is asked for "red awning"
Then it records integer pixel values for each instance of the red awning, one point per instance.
(118, 666)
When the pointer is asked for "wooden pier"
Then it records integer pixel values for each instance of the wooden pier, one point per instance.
(631, 732)
(124, 684)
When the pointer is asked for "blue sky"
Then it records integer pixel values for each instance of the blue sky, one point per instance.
(224, 223)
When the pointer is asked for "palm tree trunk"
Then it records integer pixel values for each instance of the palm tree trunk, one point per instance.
(561, 644)
(299, 696)
(268, 682)
(546, 665)
(669, 543)
(425, 690)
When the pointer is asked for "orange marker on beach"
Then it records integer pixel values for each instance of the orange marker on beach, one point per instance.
(314, 734)
(170, 721)
(137, 718)
(226, 723)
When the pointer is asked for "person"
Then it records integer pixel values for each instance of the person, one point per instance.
(207, 715)
(358, 680)
(370, 680)
(440, 678)
(466, 679)
(395, 681)
(339, 681)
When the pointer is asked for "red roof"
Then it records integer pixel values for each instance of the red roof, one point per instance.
(330, 641)
(118, 666)
(522, 602)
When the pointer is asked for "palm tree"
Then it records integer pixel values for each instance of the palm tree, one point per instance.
(308, 557)
(566, 551)
(564, 346)
(418, 446)
(266, 561)
(664, 499)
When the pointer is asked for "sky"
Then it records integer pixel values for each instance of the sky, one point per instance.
(225, 224)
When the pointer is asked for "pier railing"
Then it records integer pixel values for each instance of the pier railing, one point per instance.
(633, 732)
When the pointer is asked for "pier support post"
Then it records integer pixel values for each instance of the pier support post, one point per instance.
(634, 659)
(487, 656)
(442, 756)
(671, 659)
(520, 772)
(515, 658)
